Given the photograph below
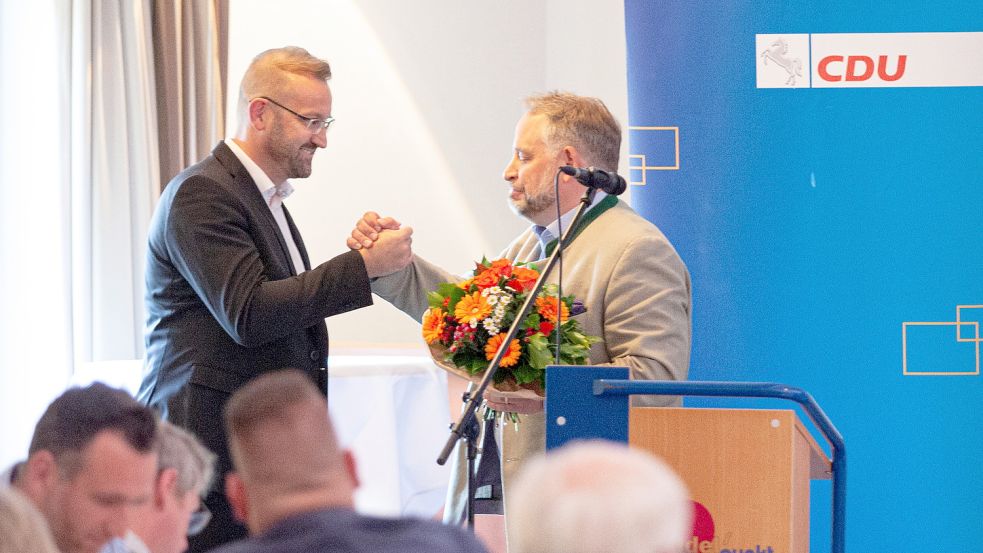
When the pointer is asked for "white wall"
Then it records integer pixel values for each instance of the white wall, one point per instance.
(427, 94)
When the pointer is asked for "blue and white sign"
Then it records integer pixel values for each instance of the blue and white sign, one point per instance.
(819, 167)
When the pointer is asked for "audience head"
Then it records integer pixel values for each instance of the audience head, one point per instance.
(91, 465)
(593, 497)
(284, 100)
(22, 528)
(285, 452)
(184, 475)
(558, 129)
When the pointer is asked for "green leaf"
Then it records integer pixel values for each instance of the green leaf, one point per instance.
(539, 354)
(478, 365)
(435, 300)
(452, 291)
(525, 374)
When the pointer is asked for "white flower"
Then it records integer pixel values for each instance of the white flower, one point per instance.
(491, 326)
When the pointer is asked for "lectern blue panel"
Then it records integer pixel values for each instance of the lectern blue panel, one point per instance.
(573, 412)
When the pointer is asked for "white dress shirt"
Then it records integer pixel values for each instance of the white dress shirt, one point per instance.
(274, 195)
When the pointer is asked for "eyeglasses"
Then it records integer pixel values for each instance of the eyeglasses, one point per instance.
(199, 520)
(313, 125)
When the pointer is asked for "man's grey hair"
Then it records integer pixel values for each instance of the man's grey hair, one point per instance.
(582, 122)
(192, 461)
(598, 496)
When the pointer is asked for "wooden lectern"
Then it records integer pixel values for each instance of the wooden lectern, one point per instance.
(750, 469)
(747, 470)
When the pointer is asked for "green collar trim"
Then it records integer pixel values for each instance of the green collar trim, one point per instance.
(589, 217)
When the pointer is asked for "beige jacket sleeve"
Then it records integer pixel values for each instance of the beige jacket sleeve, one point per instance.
(407, 289)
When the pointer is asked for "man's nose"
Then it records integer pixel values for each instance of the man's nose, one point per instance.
(320, 138)
(510, 172)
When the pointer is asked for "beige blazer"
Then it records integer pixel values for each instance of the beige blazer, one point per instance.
(638, 298)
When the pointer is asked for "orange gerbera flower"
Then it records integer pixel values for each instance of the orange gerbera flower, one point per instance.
(511, 356)
(433, 324)
(472, 308)
(546, 306)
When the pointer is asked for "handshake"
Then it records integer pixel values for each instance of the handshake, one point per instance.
(384, 245)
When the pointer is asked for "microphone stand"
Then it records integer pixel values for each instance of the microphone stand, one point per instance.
(466, 427)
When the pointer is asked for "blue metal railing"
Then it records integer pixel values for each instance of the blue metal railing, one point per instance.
(755, 389)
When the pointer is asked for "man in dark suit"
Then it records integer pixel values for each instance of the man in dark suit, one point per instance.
(230, 290)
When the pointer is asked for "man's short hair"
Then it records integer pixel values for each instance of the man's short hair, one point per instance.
(74, 419)
(192, 461)
(582, 122)
(268, 398)
(598, 496)
(268, 71)
(281, 437)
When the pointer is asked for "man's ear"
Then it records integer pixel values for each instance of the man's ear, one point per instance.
(235, 491)
(569, 156)
(351, 467)
(38, 475)
(166, 484)
(258, 113)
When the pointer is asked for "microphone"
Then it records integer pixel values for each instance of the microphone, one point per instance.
(610, 182)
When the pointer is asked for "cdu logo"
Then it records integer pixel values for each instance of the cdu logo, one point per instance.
(783, 61)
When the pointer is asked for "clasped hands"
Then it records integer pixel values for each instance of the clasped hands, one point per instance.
(385, 245)
(373, 234)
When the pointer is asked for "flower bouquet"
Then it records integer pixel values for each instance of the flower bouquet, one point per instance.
(467, 322)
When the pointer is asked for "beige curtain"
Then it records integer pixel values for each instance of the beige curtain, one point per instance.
(148, 81)
(191, 64)
(115, 171)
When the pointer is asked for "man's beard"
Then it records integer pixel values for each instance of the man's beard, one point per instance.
(532, 205)
(288, 155)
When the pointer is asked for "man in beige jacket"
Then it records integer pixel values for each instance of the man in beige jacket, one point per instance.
(630, 278)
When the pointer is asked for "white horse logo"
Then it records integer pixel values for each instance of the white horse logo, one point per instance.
(777, 53)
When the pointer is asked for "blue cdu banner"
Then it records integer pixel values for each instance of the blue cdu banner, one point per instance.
(819, 168)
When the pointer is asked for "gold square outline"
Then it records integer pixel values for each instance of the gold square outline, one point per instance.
(959, 322)
(643, 167)
(904, 348)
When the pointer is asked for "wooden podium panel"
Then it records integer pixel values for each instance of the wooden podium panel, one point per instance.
(750, 469)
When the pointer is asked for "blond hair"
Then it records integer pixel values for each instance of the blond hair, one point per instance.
(270, 72)
(582, 122)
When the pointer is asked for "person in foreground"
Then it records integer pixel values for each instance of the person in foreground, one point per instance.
(230, 291)
(599, 497)
(185, 469)
(633, 283)
(22, 528)
(294, 487)
(91, 466)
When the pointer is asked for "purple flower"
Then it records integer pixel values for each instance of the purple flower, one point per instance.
(577, 308)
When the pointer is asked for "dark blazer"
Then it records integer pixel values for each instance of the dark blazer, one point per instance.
(223, 301)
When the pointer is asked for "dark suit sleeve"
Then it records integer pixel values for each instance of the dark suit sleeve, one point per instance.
(211, 239)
